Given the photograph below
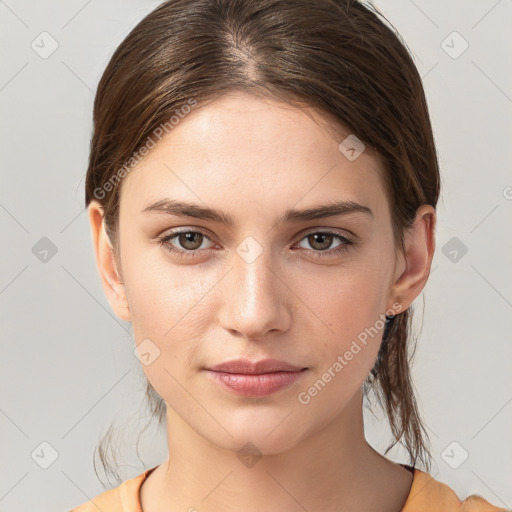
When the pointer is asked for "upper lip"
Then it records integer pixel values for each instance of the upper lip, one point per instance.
(255, 367)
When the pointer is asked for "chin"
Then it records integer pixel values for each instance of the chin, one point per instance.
(264, 435)
(257, 444)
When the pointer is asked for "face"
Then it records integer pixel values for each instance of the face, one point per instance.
(307, 290)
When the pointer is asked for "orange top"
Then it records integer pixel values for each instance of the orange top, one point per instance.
(426, 495)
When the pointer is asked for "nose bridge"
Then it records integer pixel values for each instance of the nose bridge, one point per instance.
(253, 306)
(252, 273)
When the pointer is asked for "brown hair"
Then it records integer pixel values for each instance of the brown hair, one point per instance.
(340, 57)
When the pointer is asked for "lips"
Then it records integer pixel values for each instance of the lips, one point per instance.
(247, 367)
(255, 379)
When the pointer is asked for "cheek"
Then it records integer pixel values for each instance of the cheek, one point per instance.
(348, 305)
(350, 320)
(169, 305)
(160, 295)
(169, 320)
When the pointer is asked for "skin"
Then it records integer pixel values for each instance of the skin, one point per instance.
(255, 158)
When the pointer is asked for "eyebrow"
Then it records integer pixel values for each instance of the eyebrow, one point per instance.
(184, 209)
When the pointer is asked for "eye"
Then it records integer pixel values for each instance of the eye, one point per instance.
(189, 240)
(321, 241)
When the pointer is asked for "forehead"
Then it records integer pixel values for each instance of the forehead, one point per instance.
(253, 151)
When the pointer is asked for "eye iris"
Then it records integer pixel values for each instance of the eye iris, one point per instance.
(187, 238)
(322, 236)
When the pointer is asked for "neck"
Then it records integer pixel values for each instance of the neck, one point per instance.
(333, 469)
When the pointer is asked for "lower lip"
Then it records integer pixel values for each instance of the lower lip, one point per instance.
(255, 386)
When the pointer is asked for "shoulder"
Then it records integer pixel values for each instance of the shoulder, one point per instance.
(428, 494)
(108, 501)
(476, 503)
(123, 498)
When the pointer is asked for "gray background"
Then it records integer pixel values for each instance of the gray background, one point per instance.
(67, 367)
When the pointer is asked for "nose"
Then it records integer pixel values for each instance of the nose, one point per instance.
(256, 298)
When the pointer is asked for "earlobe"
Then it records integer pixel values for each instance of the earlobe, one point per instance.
(111, 281)
(417, 260)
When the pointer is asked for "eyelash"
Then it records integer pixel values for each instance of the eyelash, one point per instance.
(164, 241)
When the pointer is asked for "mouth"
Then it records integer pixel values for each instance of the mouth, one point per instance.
(261, 367)
(255, 379)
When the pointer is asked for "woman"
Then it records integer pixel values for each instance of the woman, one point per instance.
(261, 190)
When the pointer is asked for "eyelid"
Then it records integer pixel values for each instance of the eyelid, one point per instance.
(308, 231)
(167, 236)
(333, 231)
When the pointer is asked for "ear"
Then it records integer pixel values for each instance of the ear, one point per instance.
(413, 269)
(107, 266)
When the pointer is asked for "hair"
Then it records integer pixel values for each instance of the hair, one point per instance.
(338, 57)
